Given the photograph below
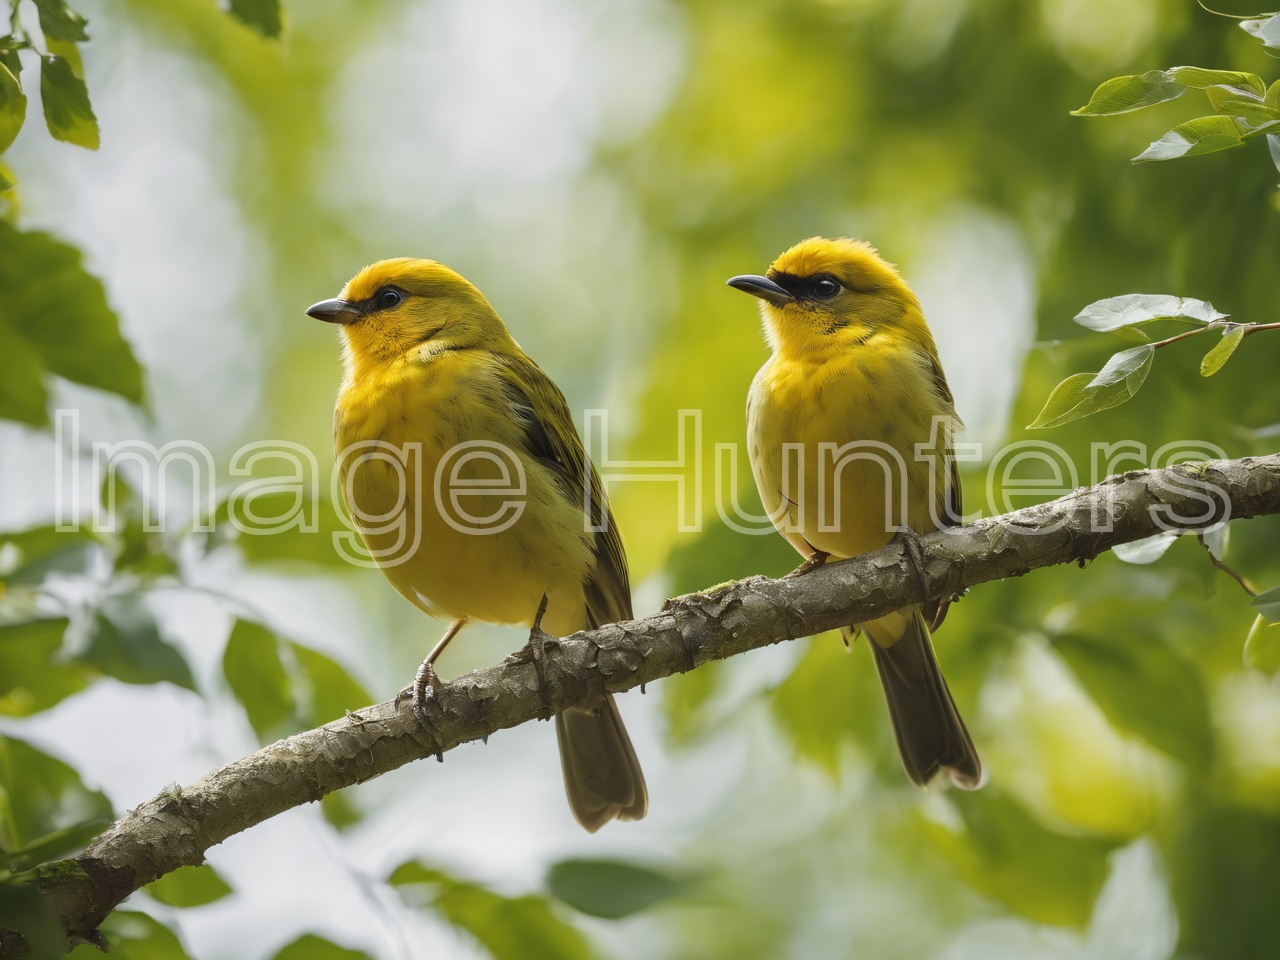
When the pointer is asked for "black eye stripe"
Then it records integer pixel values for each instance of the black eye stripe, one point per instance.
(822, 286)
(383, 299)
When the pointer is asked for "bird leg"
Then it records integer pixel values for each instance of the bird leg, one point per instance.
(817, 559)
(535, 650)
(427, 681)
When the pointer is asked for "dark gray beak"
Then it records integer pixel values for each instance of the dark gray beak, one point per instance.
(335, 311)
(761, 287)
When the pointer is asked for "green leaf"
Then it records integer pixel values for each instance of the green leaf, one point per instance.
(1146, 550)
(1008, 856)
(66, 104)
(609, 888)
(47, 297)
(127, 645)
(60, 22)
(134, 936)
(53, 845)
(1222, 350)
(189, 887)
(685, 700)
(22, 390)
(339, 810)
(9, 47)
(42, 550)
(1132, 334)
(510, 928)
(137, 550)
(1123, 365)
(1067, 402)
(252, 667)
(33, 677)
(1267, 603)
(1267, 129)
(332, 691)
(281, 546)
(1081, 395)
(261, 15)
(1122, 94)
(40, 795)
(1144, 687)
(7, 180)
(1273, 96)
(311, 947)
(829, 701)
(1267, 30)
(1228, 100)
(1221, 864)
(1200, 77)
(1202, 135)
(1216, 539)
(13, 107)
(1114, 313)
(1262, 646)
(69, 52)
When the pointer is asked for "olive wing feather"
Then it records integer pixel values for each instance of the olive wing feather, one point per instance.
(551, 437)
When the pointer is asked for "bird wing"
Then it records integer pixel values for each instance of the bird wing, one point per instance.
(537, 403)
(952, 513)
(935, 611)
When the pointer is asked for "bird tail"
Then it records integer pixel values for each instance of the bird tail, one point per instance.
(930, 734)
(602, 776)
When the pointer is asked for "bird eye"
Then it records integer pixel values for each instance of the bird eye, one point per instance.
(387, 297)
(826, 288)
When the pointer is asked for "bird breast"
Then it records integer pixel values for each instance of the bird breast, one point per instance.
(852, 423)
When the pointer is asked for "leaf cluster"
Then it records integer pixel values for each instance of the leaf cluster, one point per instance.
(1244, 107)
(1122, 375)
(64, 95)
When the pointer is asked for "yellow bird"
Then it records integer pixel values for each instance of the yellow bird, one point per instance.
(428, 362)
(855, 381)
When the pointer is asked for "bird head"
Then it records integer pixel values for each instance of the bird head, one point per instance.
(394, 307)
(831, 293)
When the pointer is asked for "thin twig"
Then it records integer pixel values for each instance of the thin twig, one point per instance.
(1249, 588)
(1249, 330)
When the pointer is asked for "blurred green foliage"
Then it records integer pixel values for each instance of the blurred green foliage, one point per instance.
(310, 947)
(1009, 856)
(1110, 704)
(133, 935)
(54, 319)
(189, 887)
(40, 795)
(610, 888)
(509, 928)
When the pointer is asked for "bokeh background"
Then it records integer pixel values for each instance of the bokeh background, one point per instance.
(599, 169)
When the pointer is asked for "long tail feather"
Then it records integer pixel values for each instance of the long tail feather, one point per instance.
(602, 776)
(930, 734)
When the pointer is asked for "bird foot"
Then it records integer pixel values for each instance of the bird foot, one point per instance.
(426, 685)
(910, 541)
(810, 565)
(535, 650)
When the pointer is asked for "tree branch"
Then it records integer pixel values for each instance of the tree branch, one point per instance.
(176, 828)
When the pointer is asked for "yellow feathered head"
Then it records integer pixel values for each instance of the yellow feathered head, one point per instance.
(393, 307)
(827, 292)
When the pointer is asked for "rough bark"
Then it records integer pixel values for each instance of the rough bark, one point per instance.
(176, 828)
